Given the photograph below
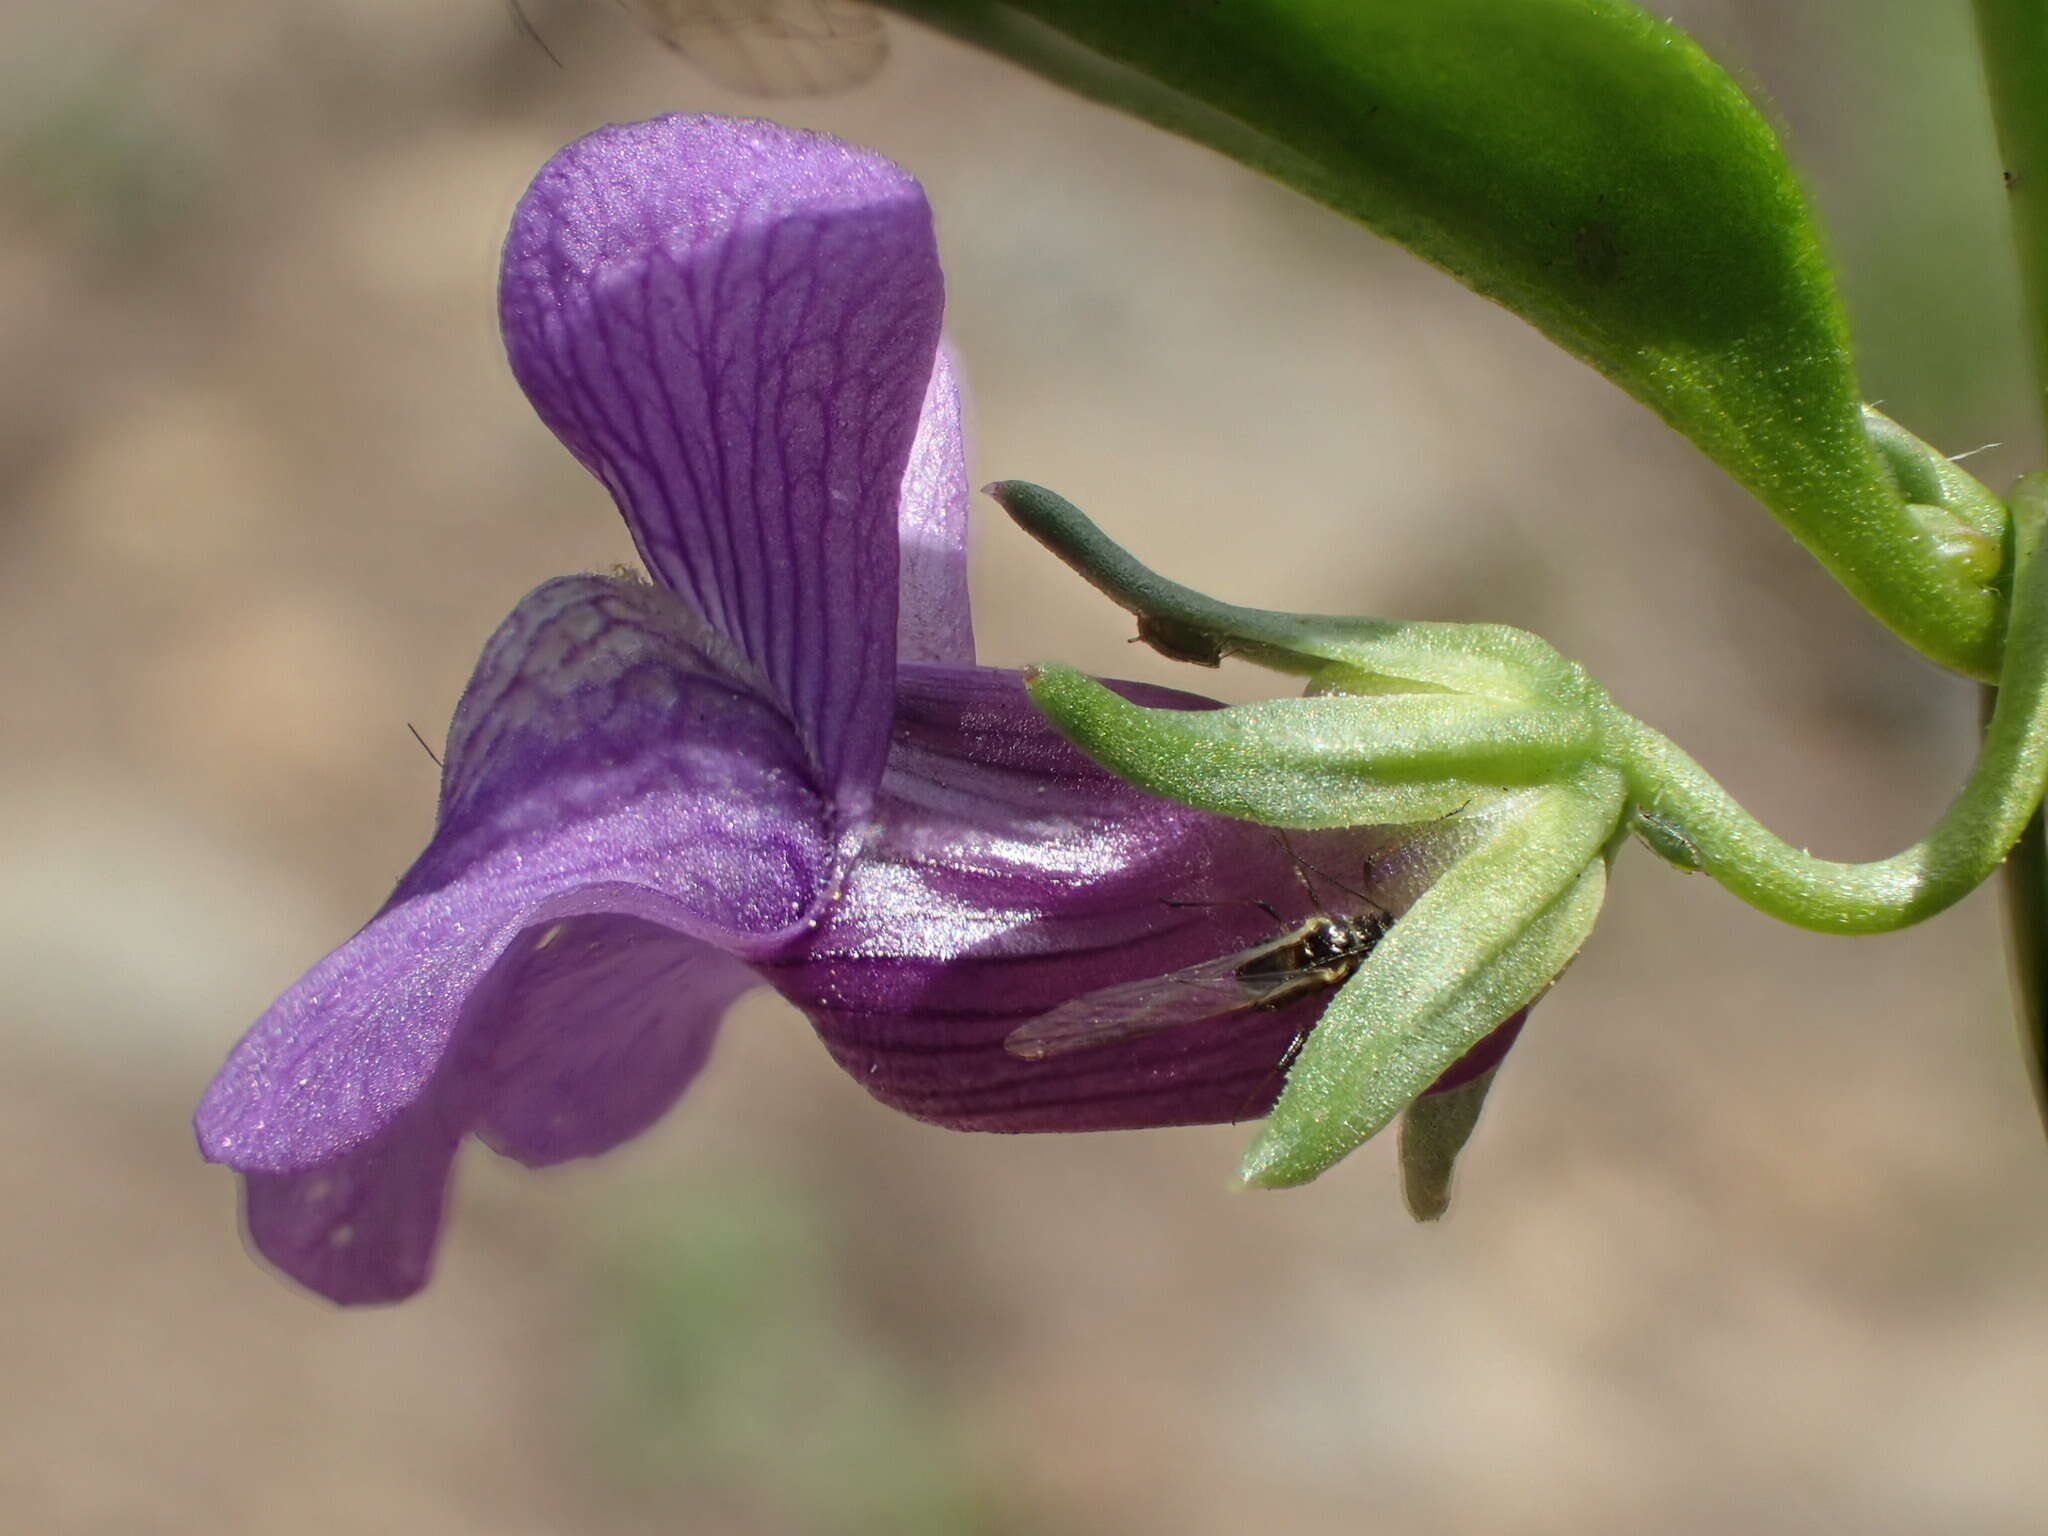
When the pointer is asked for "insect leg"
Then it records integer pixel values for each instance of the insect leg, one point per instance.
(1279, 1069)
(1236, 901)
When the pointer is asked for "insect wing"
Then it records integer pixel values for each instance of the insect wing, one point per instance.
(1133, 1009)
(771, 47)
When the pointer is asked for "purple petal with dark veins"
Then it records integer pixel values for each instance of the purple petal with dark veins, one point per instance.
(1010, 875)
(602, 762)
(732, 324)
(933, 623)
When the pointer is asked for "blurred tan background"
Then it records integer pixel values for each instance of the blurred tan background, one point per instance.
(1754, 1236)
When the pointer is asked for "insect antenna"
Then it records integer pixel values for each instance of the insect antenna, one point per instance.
(416, 736)
(1304, 869)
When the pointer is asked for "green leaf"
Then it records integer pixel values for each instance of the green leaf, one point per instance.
(1483, 941)
(1584, 164)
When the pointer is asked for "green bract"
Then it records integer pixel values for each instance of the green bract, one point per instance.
(1589, 167)
(1544, 774)
(1486, 939)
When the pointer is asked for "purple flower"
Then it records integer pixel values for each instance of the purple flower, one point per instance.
(776, 762)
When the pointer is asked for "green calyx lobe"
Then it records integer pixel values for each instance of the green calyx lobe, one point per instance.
(1586, 165)
(1329, 761)
(1485, 940)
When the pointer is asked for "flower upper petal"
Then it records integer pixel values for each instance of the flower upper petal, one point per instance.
(934, 623)
(602, 762)
(1012, 875)
(732, 324)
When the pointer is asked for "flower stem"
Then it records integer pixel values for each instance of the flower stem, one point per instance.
(2012, 38)
(1976, 832)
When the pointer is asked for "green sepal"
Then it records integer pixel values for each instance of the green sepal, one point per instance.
(1486, 939)
(1338, 653)
(1586, 165)
(1434, 1130)
(1329, 761)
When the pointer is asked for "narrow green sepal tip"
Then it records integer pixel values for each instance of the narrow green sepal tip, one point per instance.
(1434, 1130)
(1264, 1167)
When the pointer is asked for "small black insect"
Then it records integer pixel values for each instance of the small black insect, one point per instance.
(1318, 956)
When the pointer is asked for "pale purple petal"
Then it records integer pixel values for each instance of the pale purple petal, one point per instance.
(584, 1035)
(356, 1040)
(1013, 874)
(601, 763)
(362, 1228)
(934, 623)
(732, 324)
(605, 1021)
